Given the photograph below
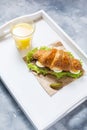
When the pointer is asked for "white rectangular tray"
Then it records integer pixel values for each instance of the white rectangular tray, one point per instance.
(42, 109)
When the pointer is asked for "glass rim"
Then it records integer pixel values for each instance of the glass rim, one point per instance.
(31, 23)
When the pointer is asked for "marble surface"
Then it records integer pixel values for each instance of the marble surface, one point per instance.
(71, 15)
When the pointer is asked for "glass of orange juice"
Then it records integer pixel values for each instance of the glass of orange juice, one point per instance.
(23, 34)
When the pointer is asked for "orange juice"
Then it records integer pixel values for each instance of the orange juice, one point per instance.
(23, 34)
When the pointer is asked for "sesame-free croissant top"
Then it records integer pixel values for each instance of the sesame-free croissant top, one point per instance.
(58, 59)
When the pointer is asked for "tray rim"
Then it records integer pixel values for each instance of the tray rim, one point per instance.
(68, 111)
(38, 14)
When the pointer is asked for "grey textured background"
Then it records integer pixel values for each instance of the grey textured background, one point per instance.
(71, 15)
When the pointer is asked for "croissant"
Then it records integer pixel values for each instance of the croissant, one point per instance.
(59, 59)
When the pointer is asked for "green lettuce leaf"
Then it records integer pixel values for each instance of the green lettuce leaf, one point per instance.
(29, 56)
(45, 48)
(71, 55)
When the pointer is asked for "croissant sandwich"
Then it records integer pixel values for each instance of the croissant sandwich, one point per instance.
(56, 62)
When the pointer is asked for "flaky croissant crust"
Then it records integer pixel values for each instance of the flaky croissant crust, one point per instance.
(55, 58)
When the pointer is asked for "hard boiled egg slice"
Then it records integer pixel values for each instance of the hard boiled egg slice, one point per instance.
(39, 64)
(75, 71)
(56, 69)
